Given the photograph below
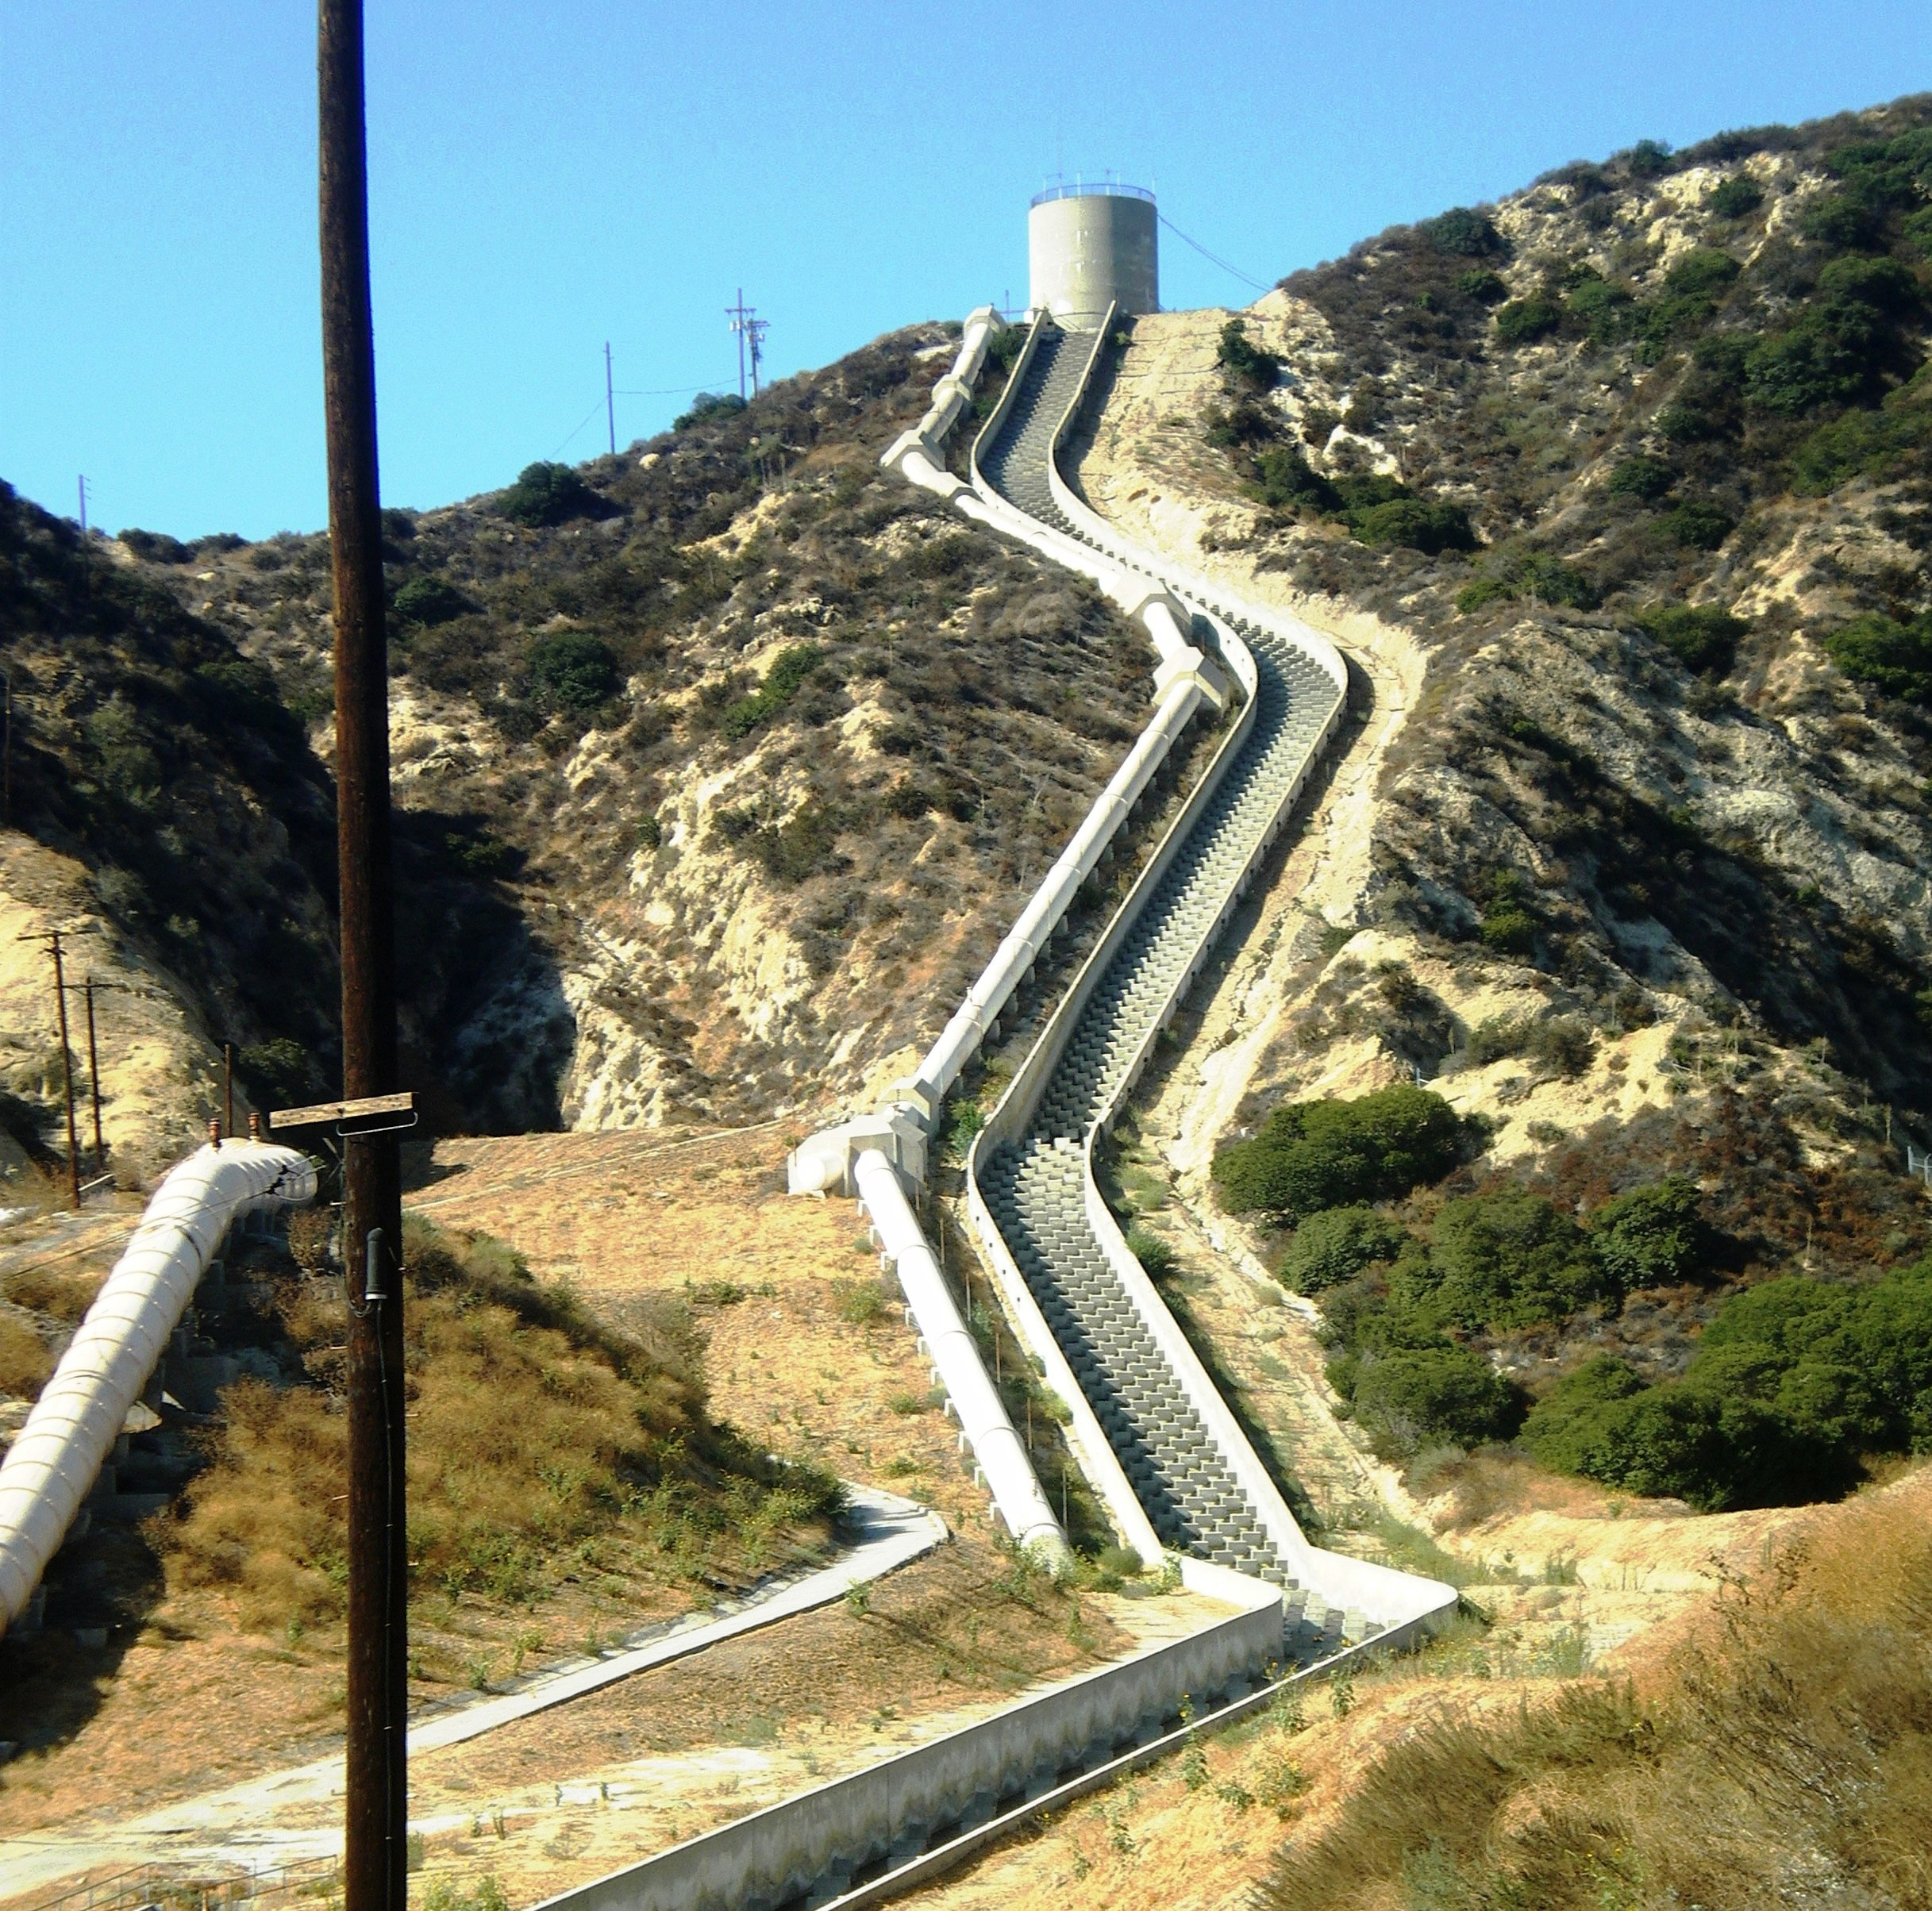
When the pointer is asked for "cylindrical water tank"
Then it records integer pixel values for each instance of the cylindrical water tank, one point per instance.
(1089, 246)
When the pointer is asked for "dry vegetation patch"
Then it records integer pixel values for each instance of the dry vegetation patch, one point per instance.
(807, 1350)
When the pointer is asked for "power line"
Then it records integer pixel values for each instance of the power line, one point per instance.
(620, 391)
(1214, 258)
(669, 391)
(580, 424)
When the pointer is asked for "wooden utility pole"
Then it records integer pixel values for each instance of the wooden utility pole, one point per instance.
(376, 1805)
(93, 1082)
(611, 402)
(67, 1074)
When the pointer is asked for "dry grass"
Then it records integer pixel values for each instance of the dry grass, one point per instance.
(542, 1443)
(65, 1293)
(24, 1361)
(630, 1219)
(1780, 1752)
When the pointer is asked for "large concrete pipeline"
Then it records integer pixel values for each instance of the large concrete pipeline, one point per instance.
(984, 1423)
(55, 1461)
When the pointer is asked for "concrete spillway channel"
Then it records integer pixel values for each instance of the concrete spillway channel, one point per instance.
(1033, 1182)
(1149, 1430)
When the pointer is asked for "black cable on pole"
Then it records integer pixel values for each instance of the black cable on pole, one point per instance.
(1213, 258)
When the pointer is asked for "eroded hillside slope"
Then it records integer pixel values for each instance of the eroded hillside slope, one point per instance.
(1646, 787)
(722, 764)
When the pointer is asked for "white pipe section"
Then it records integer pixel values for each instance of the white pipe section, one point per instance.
(983, 1420)
(53, 1465)
(1024, 942)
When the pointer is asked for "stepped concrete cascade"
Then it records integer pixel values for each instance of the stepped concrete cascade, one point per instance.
(1199, 1485)
(1016, 463)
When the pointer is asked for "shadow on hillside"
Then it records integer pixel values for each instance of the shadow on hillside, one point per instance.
(486, 1031)
(101, 1594)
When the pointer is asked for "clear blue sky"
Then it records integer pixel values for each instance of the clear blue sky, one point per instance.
(546, 177)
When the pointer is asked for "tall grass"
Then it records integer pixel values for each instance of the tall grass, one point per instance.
(538, 1437)
(1784, 1755)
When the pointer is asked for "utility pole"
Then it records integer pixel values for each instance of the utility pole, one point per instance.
(83, 502)
(611, 402)
(755, 329)
(375, 1871)
(67, 1074)
(93, 1082)
(741, 315)
(7, 747)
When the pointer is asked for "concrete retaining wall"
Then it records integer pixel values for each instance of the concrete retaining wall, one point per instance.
(895, 1806)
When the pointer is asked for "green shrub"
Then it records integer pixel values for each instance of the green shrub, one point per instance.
(1561, 1425)
(1703, 272)
(1486, 287)
(1843, 340)
(1604, 309)
(1697, 525)
(1794, 1384)
(1652, 1237)
(1154, 1254)
(1423, 1396)
(1840, 221)
(1534, 575)
(277, 1073)
(1892, 656)
(790, 669)
(708, 405)
(1500, 1261)
(430, 601)
(1285, 480)
(1560, 1045)
(157, 546)
(1377, 510)
(573, 671)
(1647, 159)
(1524, 320)
(1244, 361)
(1733, 197)
(1647, 479)
(800, 847)
(478, 854)
(1882, 444)
(1336, 1244)
(1494, 1039)
(129, 765)
(1315, 1154)
(1508, 928)
(859, 1303)
(1700, 637)
(1416, 524)
(1462, 233)
(548, 493)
